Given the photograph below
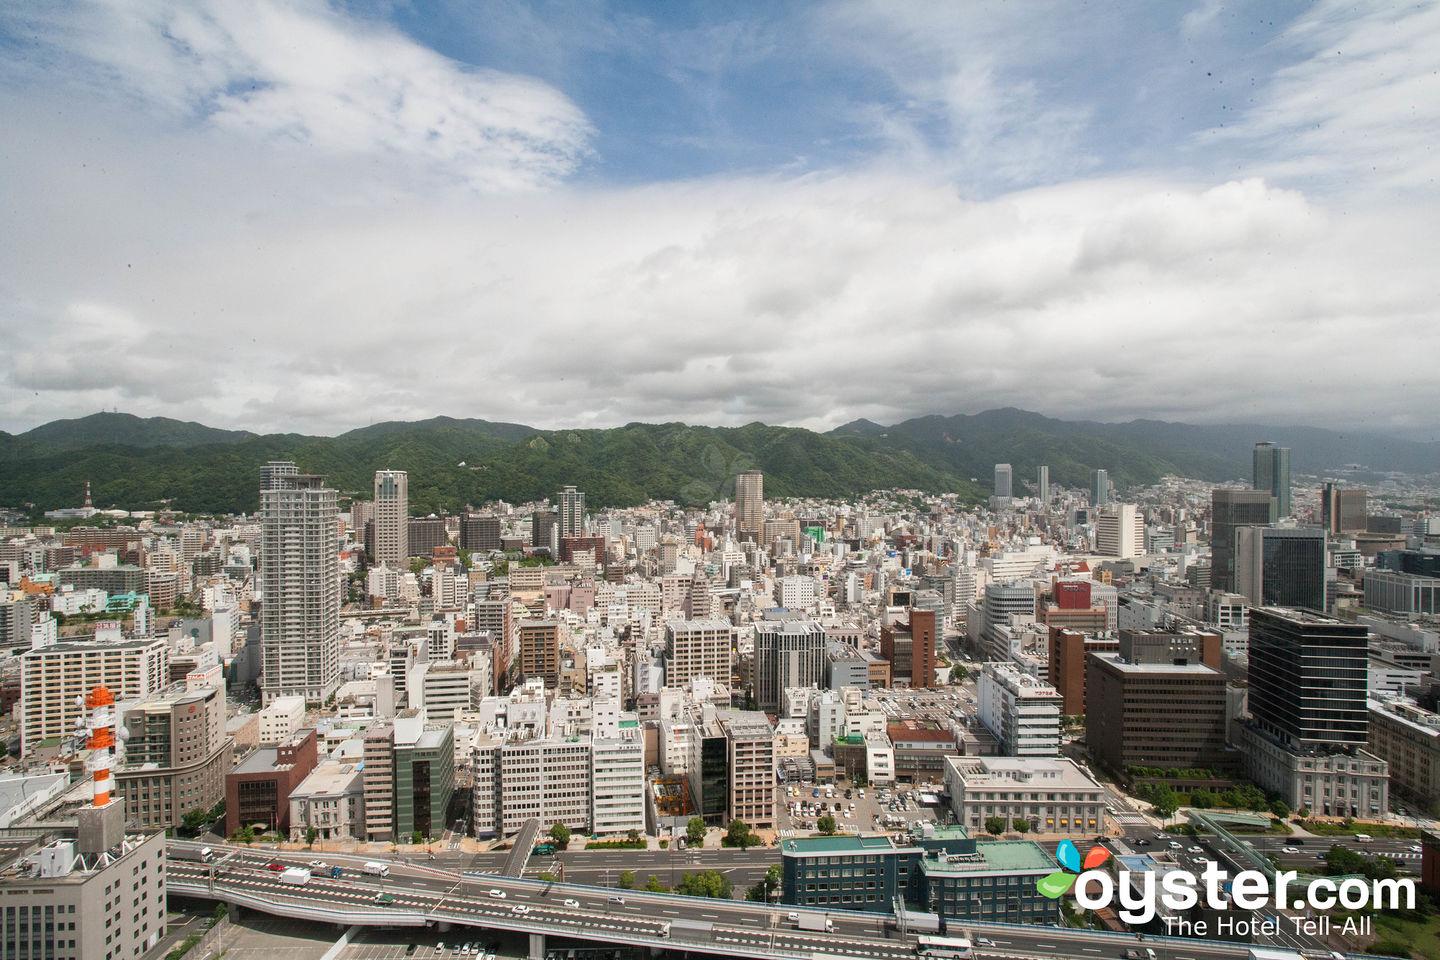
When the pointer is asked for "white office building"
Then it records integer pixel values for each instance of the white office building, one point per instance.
(1022, 712)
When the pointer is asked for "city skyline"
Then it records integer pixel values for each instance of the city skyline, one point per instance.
(692, 198)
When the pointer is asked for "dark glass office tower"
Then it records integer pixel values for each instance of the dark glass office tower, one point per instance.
(1272, 473)
(1308, 677)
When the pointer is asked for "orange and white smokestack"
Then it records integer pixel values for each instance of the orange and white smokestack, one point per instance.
(100, 741)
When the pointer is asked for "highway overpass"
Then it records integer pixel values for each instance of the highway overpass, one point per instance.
(421, 896)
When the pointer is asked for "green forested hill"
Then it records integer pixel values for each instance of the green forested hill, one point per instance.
(135, 463)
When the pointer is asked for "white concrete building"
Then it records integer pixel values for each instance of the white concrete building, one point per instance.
(1119, 531)
(281, 719)
(331, 800)
(1054, 795)
(55, 678)
(1022, 712)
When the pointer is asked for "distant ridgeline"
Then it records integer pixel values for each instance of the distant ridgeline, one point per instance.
(135, 463)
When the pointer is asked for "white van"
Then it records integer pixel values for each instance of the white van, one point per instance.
(377, 869)
(1363, 837)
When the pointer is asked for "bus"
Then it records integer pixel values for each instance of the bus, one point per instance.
(954, 947)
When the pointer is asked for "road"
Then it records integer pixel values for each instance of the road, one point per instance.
(710, 926)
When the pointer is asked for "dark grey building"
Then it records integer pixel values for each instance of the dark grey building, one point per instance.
(1281, 566)
(1308, 677)
(1231, 508)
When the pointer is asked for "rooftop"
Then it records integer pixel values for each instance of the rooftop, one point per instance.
(839, 844)
(1010, 855)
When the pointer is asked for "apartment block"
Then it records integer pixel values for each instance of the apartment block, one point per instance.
(55, 679)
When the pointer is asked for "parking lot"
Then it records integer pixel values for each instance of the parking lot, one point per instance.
(893, 808)
(421, 944)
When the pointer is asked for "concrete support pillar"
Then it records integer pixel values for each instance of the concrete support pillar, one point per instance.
(537, 946)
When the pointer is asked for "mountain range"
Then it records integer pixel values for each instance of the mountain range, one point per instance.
(142, 463)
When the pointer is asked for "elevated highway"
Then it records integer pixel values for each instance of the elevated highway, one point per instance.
(416, 895)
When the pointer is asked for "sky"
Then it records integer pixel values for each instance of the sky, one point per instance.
(299, 215)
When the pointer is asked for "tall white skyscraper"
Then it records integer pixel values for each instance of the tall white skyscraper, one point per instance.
(749, 504)
(392, 518)
(1043, 482)
(570, 505)
(271, 473)
(300, 589)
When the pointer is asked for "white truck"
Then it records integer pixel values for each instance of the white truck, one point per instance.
(374, 869)
(1266, 953)
(814, 921)
(295, 876)
(200, 854)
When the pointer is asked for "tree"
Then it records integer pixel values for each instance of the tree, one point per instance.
(560, 834)
(706, 883)
(826, 824)
(768, 886)
(995, 826)
(193, 821)
(653, 884)
(1303, 813)
(1164, 800)
(1280, 809)
(738, 835)
(634, 836)
(1022, 826)
(627, 879)
(695, 831)
(1202, 799)
(417, 838)
(311, 835)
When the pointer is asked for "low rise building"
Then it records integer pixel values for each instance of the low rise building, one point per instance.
(1407, 737)
(257, 792)
(96, 895)
(330, 801)
(1052, 794)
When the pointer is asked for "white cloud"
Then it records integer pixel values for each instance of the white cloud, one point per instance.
(1358, 110)
(255, 228)
(295, 72)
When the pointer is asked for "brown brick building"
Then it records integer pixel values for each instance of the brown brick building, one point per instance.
(258, 790)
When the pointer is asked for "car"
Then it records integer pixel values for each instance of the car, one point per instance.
(618, 901)
(1162, 836)
(1195, 849)
(793, 917)
(519, 908)
(1320, 856)
(384, 899)
(410, 950)
(319, 865)
(572, 902)
(440, 947)
(1416, 848)
(497, 894)
(1289, 849)
(985, 943)
(1142, 842)
(275, 865)
(1176, 845)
